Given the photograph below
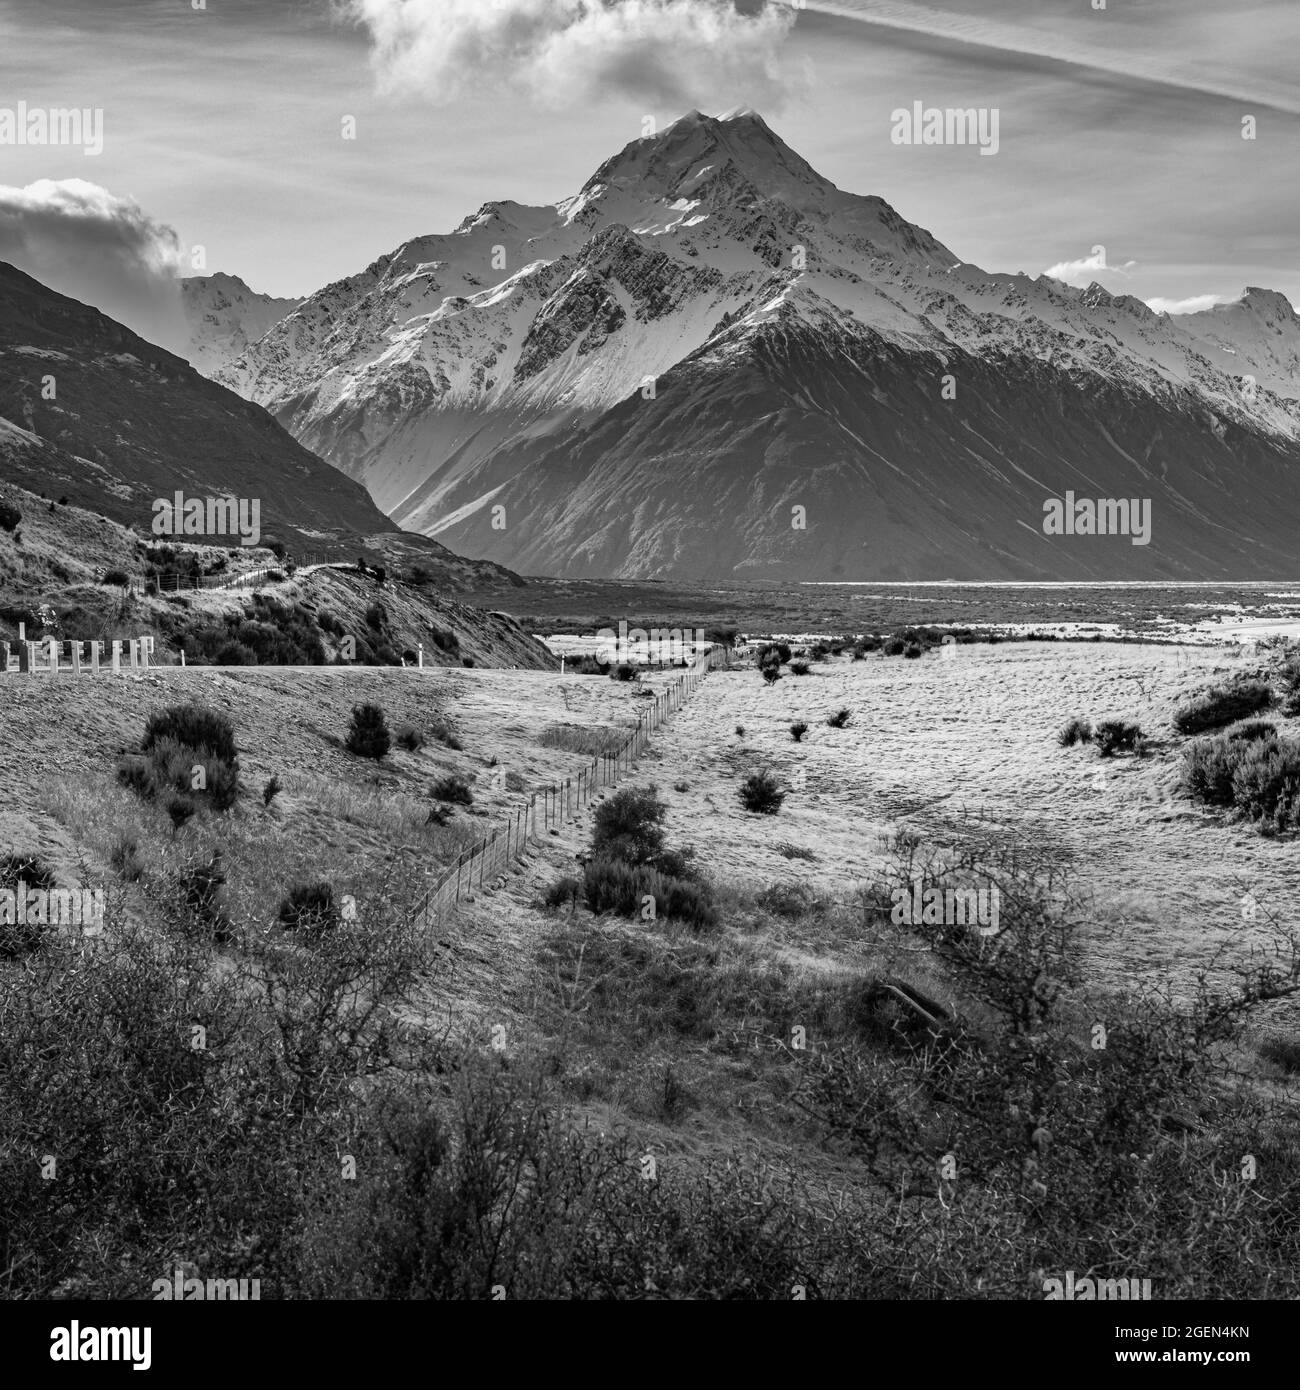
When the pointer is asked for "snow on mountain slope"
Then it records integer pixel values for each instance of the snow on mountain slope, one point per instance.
(224, 317)
(444, 372)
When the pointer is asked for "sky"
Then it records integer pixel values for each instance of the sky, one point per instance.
(1121, 155)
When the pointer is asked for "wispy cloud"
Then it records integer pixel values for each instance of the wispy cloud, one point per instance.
(667, 52)
(85, 242)
(1082, 273)
(1085, 40)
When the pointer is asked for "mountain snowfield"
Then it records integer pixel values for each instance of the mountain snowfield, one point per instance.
(712, 362)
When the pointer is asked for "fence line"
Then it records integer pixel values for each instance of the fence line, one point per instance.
(555, 806)
(123, 654)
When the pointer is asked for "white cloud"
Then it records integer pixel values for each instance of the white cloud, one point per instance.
(1083, 272)
(671, 52)
(85, 242)
(1195, 305)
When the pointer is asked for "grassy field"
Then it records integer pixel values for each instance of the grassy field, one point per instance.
(572, 1105)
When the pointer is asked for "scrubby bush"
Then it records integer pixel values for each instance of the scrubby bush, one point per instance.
(800, 668)
(1208, 768)
(562, 892)
(912, 650)
(180, 809)
(614, 885)
(1266, 784)
(377, 617)
(442, 732)
(1225, 704)
(770, 673)
(1075, 731)
(194, 727)
(368, 736)
(623, 671)
(410, 738)
(760, 793)
(1116, 736)
(894, 646)
(629, 825)
(453, 789)
(797, 730)
(116, 579)
(187, 750)
(840, 719)
(271, 790)
(310, 908)
(125, 858)
(9, 517)
(1251, 729)
(203, 891)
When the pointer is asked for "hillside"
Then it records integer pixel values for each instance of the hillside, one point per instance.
(52, 564)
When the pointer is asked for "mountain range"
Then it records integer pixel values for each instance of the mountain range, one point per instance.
(711, 362)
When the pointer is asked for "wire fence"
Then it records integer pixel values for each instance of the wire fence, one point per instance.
(555, 806)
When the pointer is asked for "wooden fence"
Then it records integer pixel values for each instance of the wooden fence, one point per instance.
(46, 657)
(555, 806)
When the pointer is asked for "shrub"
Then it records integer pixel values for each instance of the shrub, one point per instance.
(18, 873)
(740, 731)
(894, 646)
(840, 719)
(1116, 736)
(195, 727)
(761, 794)
(125, 859)
(1224, 704)
(452, 789)
(1251, 729)
(797, 730)
(629, 825)
(614, 885)
(9, 516)
(181, 809)
(562, 892)
(271, 790)
(1282, 1052)
(1266, 783)
(443, 733)
(771, 674)
(445, 640)
(1075, 731)
(1208, 768)
(277, 548)
(203, 891)
(794, 851)
(368, 737)
(377, 616)
(800, 668)
(116, 579)
(912, 650)
(623, 671)
(310, 908)
(409, 738)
